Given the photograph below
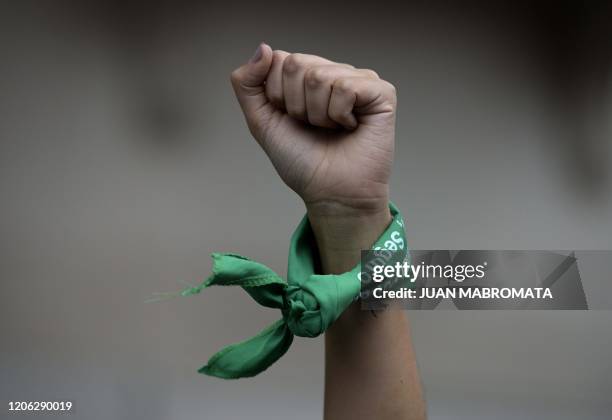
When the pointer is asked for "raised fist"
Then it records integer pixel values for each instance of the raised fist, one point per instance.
(327, 127)
(329, 130)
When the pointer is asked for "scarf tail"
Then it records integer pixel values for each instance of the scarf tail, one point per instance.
(250, 357)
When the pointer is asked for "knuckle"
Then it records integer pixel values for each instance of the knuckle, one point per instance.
(370, 73)
(315, 76)
(392, 91)
(293, 62)
(391, 87)
(343, 85)
(235, 77)
(279, 54)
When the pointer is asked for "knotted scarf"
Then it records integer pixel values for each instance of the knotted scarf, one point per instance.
(309, 302)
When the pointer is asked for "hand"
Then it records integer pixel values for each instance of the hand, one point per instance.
(328, 128)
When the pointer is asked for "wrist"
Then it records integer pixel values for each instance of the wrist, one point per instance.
(342, 231)
(348, 207)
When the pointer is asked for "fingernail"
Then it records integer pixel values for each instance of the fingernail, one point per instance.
(257, 55)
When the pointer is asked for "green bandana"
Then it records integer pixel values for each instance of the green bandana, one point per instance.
(309, 302)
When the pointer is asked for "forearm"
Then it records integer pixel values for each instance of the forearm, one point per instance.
(370, 367)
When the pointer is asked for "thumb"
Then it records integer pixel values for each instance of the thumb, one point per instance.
(248, 82)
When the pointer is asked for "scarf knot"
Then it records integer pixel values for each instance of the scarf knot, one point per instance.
(309, 302)
(302, 313)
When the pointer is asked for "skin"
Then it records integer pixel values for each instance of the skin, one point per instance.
(328, 129)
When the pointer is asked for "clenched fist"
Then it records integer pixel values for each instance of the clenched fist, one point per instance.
(327, 127)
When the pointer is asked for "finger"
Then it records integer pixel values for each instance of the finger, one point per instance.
(360, 97)
(248, 82)
(318, 83)
(274, 82)
(294, 68)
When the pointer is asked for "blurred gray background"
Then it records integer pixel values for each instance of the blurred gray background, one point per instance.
(124, 161)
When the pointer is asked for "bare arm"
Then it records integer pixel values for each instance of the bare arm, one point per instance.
(328, 129)
(370, 367)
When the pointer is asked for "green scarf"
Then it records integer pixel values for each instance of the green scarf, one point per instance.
(309, 302)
